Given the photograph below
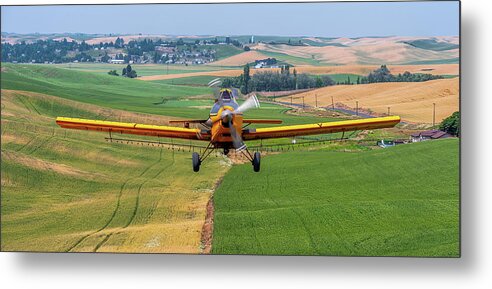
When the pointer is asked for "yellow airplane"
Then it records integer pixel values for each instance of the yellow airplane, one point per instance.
(224, 128)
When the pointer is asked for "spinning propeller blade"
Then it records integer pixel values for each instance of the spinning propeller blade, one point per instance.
(250, 103)
(228, 116)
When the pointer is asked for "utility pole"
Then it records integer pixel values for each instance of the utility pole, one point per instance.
(434, 114)
(357, 107)
(332, 103)
(388, 110)
(291, 100)
(303, 101)
(316, 96)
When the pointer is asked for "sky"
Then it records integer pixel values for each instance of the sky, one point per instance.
(339, 19)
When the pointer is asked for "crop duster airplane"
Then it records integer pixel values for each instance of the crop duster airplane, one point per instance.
(226, 127)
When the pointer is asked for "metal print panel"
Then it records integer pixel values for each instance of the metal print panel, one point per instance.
(326, 129)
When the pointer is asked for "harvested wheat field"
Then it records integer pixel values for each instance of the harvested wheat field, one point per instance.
(440, 69)
(240, 59)
(389, 50)
(410, 100)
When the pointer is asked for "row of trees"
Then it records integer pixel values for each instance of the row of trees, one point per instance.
(45, 50)
(383, 74)
(276, 81)
(59, 51)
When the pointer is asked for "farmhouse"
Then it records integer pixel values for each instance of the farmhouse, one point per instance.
(429, 135)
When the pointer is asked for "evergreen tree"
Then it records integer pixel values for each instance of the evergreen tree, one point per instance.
(246, 78)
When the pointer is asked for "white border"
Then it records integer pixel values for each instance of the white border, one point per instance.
(473, 270)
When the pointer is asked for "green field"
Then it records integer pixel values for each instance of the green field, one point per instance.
(201, 80)
(432, 44)
(126, 94)
(400, 201)
(141, 69)
(343, 77)
(65, 190)
(292, 60)
(224, 51)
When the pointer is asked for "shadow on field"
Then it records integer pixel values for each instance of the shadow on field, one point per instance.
(306, 266)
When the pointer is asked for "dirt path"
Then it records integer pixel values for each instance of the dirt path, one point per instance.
(208, 225)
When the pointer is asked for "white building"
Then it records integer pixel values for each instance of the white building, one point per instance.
(116, 61)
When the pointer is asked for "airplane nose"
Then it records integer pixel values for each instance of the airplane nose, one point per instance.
(226, 117)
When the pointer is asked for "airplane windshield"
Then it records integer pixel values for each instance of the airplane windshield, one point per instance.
(226, 96)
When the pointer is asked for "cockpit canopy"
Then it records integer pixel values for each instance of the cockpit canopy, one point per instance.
(226, 95)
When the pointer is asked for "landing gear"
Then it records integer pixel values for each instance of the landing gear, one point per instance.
(197, 160)
(256, 161)
(195, 157)
(253, 158)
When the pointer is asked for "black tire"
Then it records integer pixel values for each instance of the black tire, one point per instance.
(256, 162)
(195, 157)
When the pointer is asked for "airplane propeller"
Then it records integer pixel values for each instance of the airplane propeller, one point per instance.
(227, 117)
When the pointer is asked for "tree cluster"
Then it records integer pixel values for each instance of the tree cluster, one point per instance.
(45, 50)
(451, 124)
(129, 72)
(276, 81)
(267, 61)
(383, 74)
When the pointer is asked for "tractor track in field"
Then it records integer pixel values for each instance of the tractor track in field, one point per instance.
(143, 183)
(137, 200)
(154, 204)
(116, 208)
(28, 105)
(306, 229)
(25, 145)
(44, 142)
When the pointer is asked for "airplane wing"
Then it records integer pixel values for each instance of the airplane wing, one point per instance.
(321, 128)
(133, 128)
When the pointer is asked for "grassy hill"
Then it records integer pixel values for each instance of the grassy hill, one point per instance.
(126, 94)
(141, 69)
(432, 44)
(65, 190)
(400, 201)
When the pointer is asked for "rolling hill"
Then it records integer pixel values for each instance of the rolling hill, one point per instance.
(369, 50)
(410, 100)
(71, 191)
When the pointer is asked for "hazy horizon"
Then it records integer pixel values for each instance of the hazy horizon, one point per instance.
(333, 20)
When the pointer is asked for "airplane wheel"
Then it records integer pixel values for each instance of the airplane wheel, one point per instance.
(195, 157)
(256, 161)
